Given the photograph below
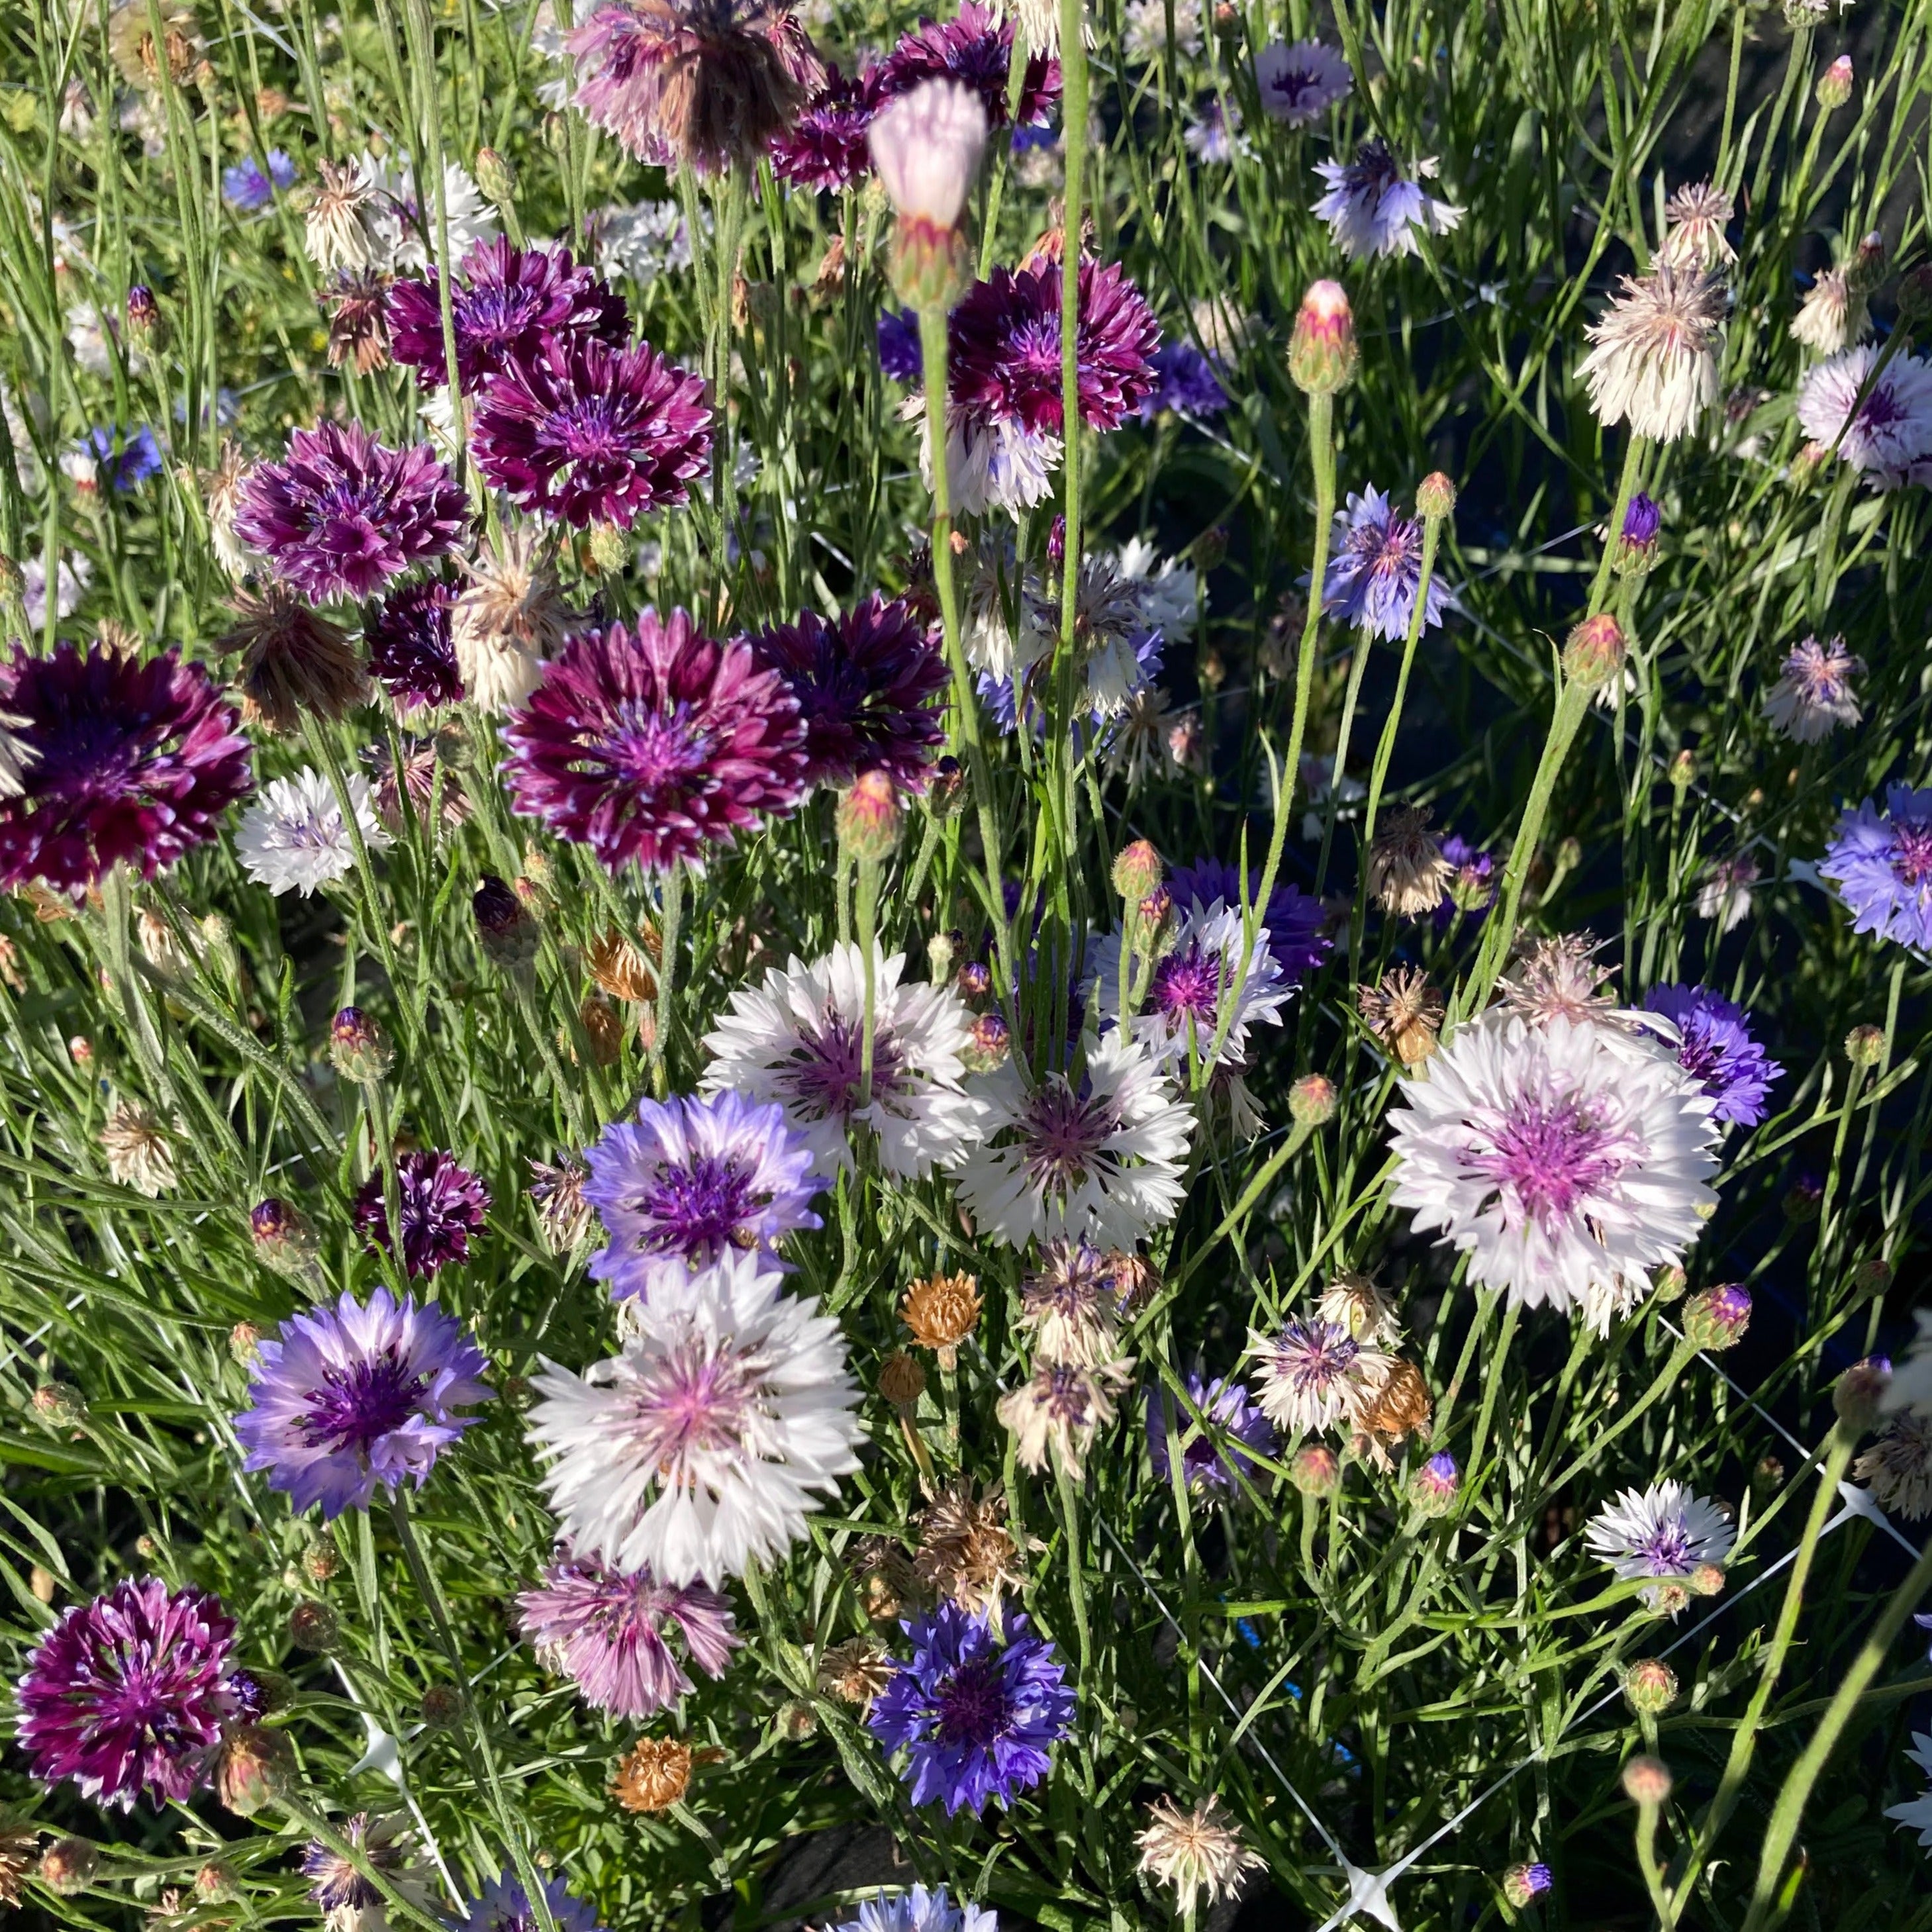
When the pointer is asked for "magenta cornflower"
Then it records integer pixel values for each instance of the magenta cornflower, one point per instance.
(339, 514)
(592, 434)
(442, 1205)
(826, 147)
(977, 49)
(124, 761)
(410, 648)
(126, 1695)
(655, 744)
(508, 303)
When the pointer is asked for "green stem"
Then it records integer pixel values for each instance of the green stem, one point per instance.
(668, 938)
(1321, 457)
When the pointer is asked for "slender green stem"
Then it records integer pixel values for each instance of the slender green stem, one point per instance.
(667, 1008)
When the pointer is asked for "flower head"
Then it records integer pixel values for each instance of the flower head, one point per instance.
(1408, 872)
(1694, 236)
(245, 187)
(1562, 978)
(926, 142)
(940, 1311)
(611, 1633)
(977, 1719)
(655, 1775)
(1194, 1852)
(505, 1907)
(1315, 1375)
(1227, 1411)
(136, 1145)
(1715, 1046)
(349, 1902)
(410, 645)
(828, 146)
(1070, 1305)
(1814, 695)
(1663, 1531)
(966, 1553)
(975, 47)
(1374, 570)
(339, 515)
(1833, 314)
(1885, 434)
(1291, 919)
(1916, 1815)
(1881, 863)
(1404, 1012)
(1186, 381)
(509, 618)
(1299, 83)
(1655, 361)
(1056, 1412)
(691, 1180)
(706, 1443)
(126, 1695)
(1372, 208)
(294, 837)
(442, 1205)
(1724, 891)
(345, 1399)
(919, 1910)
(295, 662)
(1898, 1467)
(655, 744)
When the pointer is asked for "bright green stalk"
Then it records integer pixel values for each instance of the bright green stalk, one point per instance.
(1073, 123)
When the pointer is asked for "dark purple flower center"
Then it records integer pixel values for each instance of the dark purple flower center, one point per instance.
(1882, 409)
(645, 748)
(1063, 1131)
(1293, 84)
(974, 1708)
(699, 1207)
(1666, 1550)
(1385, 546)
(1550, 1157)
(826, 1076)
(1188, 983)
(357, 1405)
(1911, 852)
(1702, 1056)
(1373, 171)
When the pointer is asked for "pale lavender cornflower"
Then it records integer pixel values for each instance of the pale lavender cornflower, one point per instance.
(1298, 82)
(1372, 208)
(1315, 1375)
(1214, 135)
(1814, 695)
(1375, 569)
(1884, 436)
(1665, 1531)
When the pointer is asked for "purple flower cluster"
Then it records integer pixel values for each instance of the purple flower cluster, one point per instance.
(442, 1206)
(1228, 1406)
(410, 645)
(1881, 863)
(506, 1906)
(827, 146)
(1716, 1047)
(975, 47)
(1374, 570)
(1293, 920)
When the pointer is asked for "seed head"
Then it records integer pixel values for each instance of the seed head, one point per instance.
(653, 1776)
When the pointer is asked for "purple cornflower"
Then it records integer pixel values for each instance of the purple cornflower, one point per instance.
(693, 1178)
(1228, 1406)
(975, 48)
(865, 686)
(1003, 348)
(827, 145)
(1293, 920)
(245, 187)
(410, 645)
(901, 357)
(656, 743)
(1882, 865)
(1716, 1048)
(1472, 887)
(124, 760)
(127, 1695)
(1642, 519)
(1815, 692)
(1299, 82)
(339, 515)
(592, 434)
(609, 1632)
(344, 1399)
(122, 462)
(1371, 209)
(977, 1718)
(505, 1907)
(508, 304)
(1186, 381)
(1214, 135)
(442, 1205)
(1376, 567)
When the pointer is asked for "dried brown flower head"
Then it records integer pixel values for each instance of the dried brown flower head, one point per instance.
(134, 49)
(621, 967)
(901, 1380)
(940, 1312)
(1404, 1012)
(1400, 1407)
(1194, 1852)
(1898, 1467)
(294, 660)
(654, 1774)
(335, 236)
(118, 640)
(1408, 874)
(18, 1843)
(138, 1151)
(856, 1671)
(884, 1576)
(358, 321)
(511, 618)
(603, 1028)
(966, 1552)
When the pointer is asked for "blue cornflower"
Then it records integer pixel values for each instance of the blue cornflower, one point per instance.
(505, 1907)
(976, 1717)
(1186, 381)
(244, 186)
(1226, 1405)
(919, 1910)
(900, 356)
(123, 462)
(1293, 920)
(1472, 887)
(1372, 208)
(1375, 569)
(1881, 863)
(1715, 1047)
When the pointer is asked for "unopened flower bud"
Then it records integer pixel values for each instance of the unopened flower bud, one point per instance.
(244, 1344)
(1858, 1395)
(1866, 269)
(1312, 1100)
(214, 1883)
(146, 329)
(1767, 1475)
(282, 1235)
(1647, 1781)
(1321, 352)
(1718, 1318)
(1524, 1884)
(1706, 1580)
(1434, 1487)
(1873, 1275)
(987, 1046)
(1865, 1045)
(256, 1766)
(1434, 497)
(1209, 551)
(901, 1380)
(1915, 294)
(1315, 1471)
(796, 1721)
(945, 790)
(1804, 1200)
(1153, 910)
(495, 177)
(1835, 84)
(359, 1048)
(320, 1562)
(1137, 871)
(1650, 1686)
(940, 951)
(67, 1866)
(1635, 549)
(1594, 651)
(1683, 771)
(975, 980)
(926, 146)
(869, 818)
(610, 550)
(313, 1626)
(60, 1405)
(442, 1707)
(509, 933)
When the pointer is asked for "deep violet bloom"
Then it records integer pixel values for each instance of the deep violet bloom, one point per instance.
(124, 760)
(1294, 920)
(339, 515)
(866, 685)
(410, 647)
(901, 357)
(1881, 863)
(592, 434)
(1003, 348)
(508, 302)
(1375, 568)
(691, 1180)
(1229, 1407)
(442, 1205)
(123, 462)
(611, 1633)
(127, 1695)
(1642, 520)
(1186, 381)
(345, 1398)
(974, 48)
(1716, 1047)
(655, 743)
(827, 145)
(506, 1906)
(1472, 887)
(977, 1718)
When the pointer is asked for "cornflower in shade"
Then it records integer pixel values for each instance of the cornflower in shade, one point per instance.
(797, 1040)
(441, 1204)
(349, 1901)
(1694, 236)
(1665, 1531)
(1897, 1467)
(508, 304)
(704, 1446)
(294, 837)
(1813, 695)
(1881, 863)
(655, 744)
(826, 147)
(339, 515)
(1724, 891)
(1372, 208)
(1884, 436)
(505, 1907)
(587, 433)
(919, 1910)
(1654, 363)
(1915, 1815)
(120, 762)
(1715, 1046)
(1374, 570)
(1186, 382)
(1291, 919)
(974, 47)
(245, 186)
(691, 1180)
(1214, 135)
(866, 685)
(1209, 1466)
(900, 356)
(126, 1695)
(1566, 1161)
(1195, 1852)
(1299, 82)
(977, 1718)
(346, 1400)
(123, 461)
(1098, 1159)
(412, 650)
(1055, 1414)
(1313, 1375)
(610, 1634)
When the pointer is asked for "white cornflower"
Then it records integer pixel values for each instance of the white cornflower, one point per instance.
(88, 334)
(1655, 361)
(1144, 30)
(139, 1153)
(1724, 892)
(1353, 1303)
(293, 837)
(1568, 1161)
(1664, 1531)
(1000, 465)
(1315, 1375)
(1061, 1408)
(798, 1040)
(704, 1445)
(1194, 1852)
(1885, 435)
(1694, 236)
(400, 223)
(1897, 1467)
(1144, 741)
(1168, 588)
(1833, 315)
(926, 146)
(995, 594)
(1917, 1815)
(644, 241)
(1911, 1385)
(1813, 695)
(1097, 1159)
(1111, 625)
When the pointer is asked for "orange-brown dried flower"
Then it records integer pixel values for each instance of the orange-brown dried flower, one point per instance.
(856, 1671)
(966, 1552)
(620, 966)
(654, 1774)
(940, 1312)
(1404, 1012)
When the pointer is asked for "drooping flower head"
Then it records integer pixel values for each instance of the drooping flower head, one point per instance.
(511, 616)
(655, 744)
(866, 685)
(1881, 863)
(704, 1446)
(295, 836)
(1057, 1411)
(919, 1910)
(977, 1718)
(339, 515)
(1299, 82)
(590, 434)
(294, 660)
(1208, 1468)
(1654, 363)
(1814, 694)
(121, 761)
(1372, 208)
(127, 1695)
(505, 1907)
(348, 1399)
(1898, 1467)
(1715, 1046)
(1375, 569)
(1833, 314)
(926, 143)
(611, 1633)
(1665, 1531)
(827, 146)
(442, 1205)
(1292, 919)
(1889, 432)
(508, 304)
(1314, 1375)
(976, 47)
(412, 649)
(691, 1180)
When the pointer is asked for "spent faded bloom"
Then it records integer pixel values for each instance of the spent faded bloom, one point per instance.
(654, 1775)
(1561, 979)
(358, 321)
(1070, 1304)
(1814, 694)
(856, 1671)
(966, 1553)
(1404, 1012)
(1374, 570)
(295, 836)
(1057, 1411)
(138, 1148)
(1833, 315)
(1654, 363)
(295, 663)
(336, 235)
(1408, 874)
(350, 1902)
(1196, 1852)
(1887, 434)
(1314, 1375)
(1666, 1531)
(1372, 208)
(940, 1311)
(556, 1192)
(1694, 236)
(1724, 891)
(926, 145)
(1299, 82)
(507, 620)
(1881, 863)
(1897, 1467)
